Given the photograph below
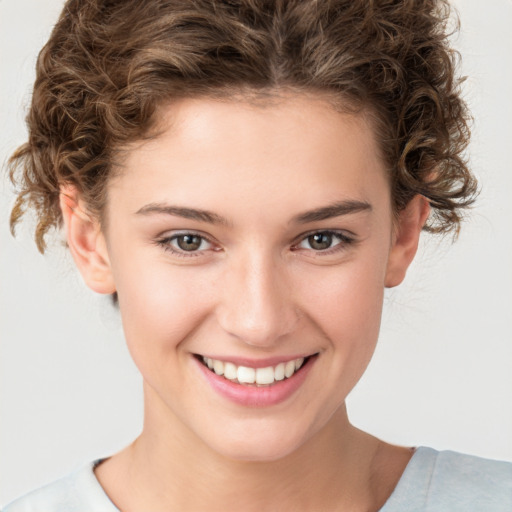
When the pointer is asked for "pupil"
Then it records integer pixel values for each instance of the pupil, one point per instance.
(320, 241)
(189, 242)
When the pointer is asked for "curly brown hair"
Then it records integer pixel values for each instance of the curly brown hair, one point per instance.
(109, 64)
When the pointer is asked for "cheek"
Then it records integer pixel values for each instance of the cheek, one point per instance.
(160, 306)
(348, 298)
(346, 304)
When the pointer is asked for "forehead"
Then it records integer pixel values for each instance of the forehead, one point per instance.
(205, 149)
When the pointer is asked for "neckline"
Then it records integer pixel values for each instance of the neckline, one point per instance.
(410, 493)
(414, 473)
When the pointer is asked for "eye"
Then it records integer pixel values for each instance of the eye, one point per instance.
(189, 242)
(183, 243)
(324, 240)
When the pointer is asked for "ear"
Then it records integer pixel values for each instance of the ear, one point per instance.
(86, 242)
(405, 239)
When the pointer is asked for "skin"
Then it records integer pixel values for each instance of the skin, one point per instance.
(256, 287)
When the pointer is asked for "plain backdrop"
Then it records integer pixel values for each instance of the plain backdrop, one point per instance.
(442, 373)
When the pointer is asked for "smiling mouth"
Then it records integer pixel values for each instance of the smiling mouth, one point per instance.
(258, 377)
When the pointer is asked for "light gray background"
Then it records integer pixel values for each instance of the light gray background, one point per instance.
(442, 375)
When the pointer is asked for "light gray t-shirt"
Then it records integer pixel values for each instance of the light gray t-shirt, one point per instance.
(432, 482)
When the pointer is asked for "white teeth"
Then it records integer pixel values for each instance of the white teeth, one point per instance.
(289, 369)
(230, 371)
(265, 375)
(259, 376)
(279, 371)
(246, 375)
(218, 367)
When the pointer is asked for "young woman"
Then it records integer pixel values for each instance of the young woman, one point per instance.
(245, 179)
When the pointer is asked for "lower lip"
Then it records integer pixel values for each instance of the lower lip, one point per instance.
(253, 396)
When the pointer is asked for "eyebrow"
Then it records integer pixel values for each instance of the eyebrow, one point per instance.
(333, 210)
(186, 213)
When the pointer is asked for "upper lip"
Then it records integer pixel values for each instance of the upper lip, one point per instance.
(256, 363)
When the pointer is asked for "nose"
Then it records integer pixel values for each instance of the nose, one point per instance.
(257, 305)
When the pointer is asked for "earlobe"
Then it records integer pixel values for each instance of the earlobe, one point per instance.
(405, 242)
(86, 242)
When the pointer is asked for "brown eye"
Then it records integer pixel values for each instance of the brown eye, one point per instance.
(320, 241)
(189, 242)
(186, 244)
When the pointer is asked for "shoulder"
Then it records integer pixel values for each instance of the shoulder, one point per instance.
(450, 481)
(481, 484)
(80, 491)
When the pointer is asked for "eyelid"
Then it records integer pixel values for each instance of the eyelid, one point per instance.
(165, 239)
(346, 238)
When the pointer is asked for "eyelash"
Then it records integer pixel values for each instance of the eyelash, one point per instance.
(344, 241)
(165, 243)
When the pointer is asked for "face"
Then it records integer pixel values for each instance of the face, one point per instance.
(256, 240)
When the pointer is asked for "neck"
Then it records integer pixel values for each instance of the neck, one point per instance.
(169, 468)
